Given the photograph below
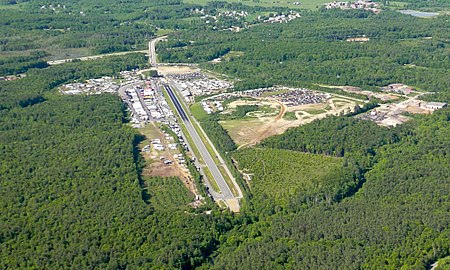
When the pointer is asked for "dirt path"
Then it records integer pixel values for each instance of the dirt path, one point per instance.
(156, 167)
(282, 111)
(277, 125)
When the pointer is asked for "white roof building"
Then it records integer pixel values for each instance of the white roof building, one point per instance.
(435, 105)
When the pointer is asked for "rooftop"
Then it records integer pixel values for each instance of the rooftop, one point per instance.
(436, 104)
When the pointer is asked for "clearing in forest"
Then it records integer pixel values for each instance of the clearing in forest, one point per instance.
(171, 70)
(280, 175)
(162, 163)
(255, 126)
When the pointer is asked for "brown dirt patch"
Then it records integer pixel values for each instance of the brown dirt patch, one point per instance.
(233, 204)
(246, 132)
(155, 159)
(160, 169)
(169, 70)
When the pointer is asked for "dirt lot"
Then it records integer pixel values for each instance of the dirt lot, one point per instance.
(155, 159)
(252, 130)
(169, 70)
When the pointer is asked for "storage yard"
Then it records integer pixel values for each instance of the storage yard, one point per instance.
(396, 114)
(290, 97)
(403, 100)
(91, 87)
(198, 84)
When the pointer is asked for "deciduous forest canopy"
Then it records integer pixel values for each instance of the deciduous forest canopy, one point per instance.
(337, 193)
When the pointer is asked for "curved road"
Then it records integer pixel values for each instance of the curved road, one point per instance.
(152, 50)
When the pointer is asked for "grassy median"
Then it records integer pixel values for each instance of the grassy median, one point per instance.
(207, 143)
(191, 143)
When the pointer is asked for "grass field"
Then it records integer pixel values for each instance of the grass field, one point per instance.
(163, 32)
(232, 54)
(150, 131)
(290, 116)
(198, 112)
(281, 175)
(239, 134)
(11, 7)
(306, 4)
(315, 111)
(228, 180)
(211, 179)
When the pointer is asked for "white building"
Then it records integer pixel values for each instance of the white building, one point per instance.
(435, 105)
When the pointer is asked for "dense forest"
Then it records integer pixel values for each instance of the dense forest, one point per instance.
(399, 218)
(314, 50)
(71, 197)
(103, 26)
(336, 193)
(39, 82)
(435, 5)
(337, 136)
(35, 31)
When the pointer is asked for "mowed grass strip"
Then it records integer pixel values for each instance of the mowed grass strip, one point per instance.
(211, 179)
(183, 128)
(228, 180)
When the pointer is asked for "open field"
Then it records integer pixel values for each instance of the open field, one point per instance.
(290, 116)
(163, 32)
(211, 179)
(154, 159)
(228, 56)
(296, 174)
(198, 112)
(257, 126)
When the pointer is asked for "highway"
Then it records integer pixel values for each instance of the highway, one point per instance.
(226, 192)
(151, 51)
(91, 57)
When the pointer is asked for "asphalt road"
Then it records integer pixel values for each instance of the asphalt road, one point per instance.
(91, 57)
(226, 192)
(152, 51)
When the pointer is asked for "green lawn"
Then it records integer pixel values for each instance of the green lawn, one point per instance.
(163, 32)
(211, 179)
(198, 112)
(290, 116)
